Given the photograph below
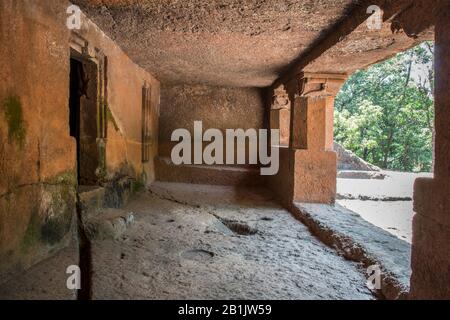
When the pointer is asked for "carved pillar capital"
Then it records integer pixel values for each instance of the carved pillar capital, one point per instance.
(280, 114)
(320, 84)
(280, 99)
(312, 122)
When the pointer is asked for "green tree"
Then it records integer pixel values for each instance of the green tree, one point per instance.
(385, 114)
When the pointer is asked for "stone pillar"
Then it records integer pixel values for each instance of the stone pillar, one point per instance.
(280, 115)
(431, 225)
(314, 161)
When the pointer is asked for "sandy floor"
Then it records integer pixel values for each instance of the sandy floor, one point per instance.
(392, 216)
(396, 184)
(219, 243)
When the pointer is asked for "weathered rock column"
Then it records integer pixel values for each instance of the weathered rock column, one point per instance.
(280, 115)
(314, 161)
(431, 225)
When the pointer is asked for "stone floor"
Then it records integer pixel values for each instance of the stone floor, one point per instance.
(45, 281)
(359, 240)
(204, 242)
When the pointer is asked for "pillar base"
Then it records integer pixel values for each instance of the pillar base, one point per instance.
(431, 240)
(314, 176)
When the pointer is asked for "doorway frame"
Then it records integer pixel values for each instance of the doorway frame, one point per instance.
(80, 49)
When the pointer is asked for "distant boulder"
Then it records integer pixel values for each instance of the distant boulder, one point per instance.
(347, 160)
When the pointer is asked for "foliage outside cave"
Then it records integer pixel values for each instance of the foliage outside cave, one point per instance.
(385, 114)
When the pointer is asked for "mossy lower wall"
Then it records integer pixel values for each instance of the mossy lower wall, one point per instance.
(41, 217)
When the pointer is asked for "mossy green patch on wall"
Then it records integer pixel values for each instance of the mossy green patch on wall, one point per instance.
(32, 234)
(137, 186)
(140, 183)
(68, 177)
(101, 171)
(51, 221)
(58, 207)
(53, 229)
(14, 117)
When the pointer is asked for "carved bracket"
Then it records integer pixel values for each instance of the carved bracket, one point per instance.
(280, 99)
(320, 84)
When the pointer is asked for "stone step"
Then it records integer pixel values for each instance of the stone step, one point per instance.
(108, 224)
(119, 191)
(92, 199)
(223, 175)
(115, 194)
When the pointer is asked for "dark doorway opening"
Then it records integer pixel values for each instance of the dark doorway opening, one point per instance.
(83, 104)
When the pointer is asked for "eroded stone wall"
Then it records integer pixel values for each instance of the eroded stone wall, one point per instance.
(37, 156)
(217, 107)
(125, 80)
(282, 184)
(38, 180)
